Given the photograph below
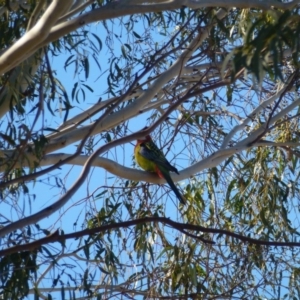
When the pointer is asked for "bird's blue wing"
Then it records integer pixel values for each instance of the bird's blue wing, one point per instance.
(151, 152)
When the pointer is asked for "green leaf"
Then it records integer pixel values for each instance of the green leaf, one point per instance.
(98, 40)
(136, 35)
(86, 67)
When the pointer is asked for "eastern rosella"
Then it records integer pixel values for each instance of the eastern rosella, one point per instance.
(151, 159)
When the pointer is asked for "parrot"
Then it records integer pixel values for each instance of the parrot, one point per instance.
(151, 159)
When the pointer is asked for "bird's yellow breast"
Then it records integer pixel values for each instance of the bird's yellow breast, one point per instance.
(143, 162)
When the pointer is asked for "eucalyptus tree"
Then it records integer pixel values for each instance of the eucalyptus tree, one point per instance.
(217, 85)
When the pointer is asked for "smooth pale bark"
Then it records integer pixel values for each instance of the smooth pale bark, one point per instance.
(42, 31)
(45, 32)
(51, 26)
(26, 45)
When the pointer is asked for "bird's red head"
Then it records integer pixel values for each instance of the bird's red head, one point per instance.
(147, 138)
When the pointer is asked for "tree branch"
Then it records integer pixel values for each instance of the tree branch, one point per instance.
(26, 45)
(56, 237)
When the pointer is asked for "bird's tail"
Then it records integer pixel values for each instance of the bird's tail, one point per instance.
(166, 175)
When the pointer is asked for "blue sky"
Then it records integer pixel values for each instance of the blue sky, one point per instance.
(45, 193)
(44, 188)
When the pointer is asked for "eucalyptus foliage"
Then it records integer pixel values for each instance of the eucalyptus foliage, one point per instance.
(217, 85)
